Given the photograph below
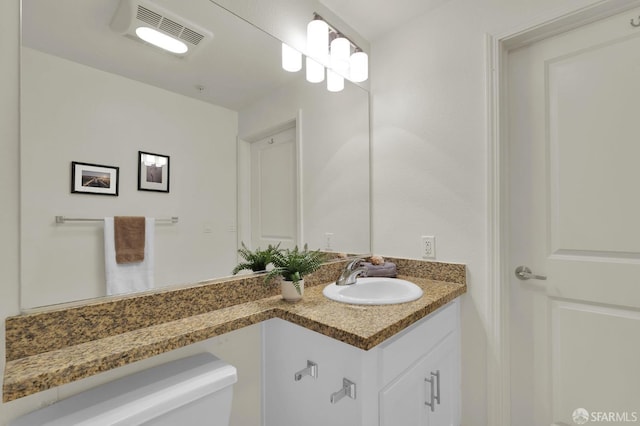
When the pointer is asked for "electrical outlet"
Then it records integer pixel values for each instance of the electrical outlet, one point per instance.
(328, 236)
(428, 247)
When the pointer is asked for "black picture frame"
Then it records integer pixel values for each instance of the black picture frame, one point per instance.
(95, 179)
(153, 172)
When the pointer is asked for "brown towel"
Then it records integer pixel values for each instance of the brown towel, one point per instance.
(129, 238)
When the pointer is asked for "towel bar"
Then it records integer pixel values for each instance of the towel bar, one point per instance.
(62, 219)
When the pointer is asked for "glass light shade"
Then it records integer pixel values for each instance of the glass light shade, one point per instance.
(318, 40)
(315, 71)
(340, 51)
(359, 67)
(291, 58)
(335, 82)
(161, 40)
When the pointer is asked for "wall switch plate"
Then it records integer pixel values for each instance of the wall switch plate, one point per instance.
(428, 247)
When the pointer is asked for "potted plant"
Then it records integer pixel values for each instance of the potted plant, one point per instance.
(292, 265)
(257, 260)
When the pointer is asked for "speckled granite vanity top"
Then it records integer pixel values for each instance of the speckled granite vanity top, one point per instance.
(54, 347)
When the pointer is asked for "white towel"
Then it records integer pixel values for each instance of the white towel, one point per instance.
(128, 277)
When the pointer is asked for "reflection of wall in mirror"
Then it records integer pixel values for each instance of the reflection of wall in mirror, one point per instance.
(72, 112)
(335, 158)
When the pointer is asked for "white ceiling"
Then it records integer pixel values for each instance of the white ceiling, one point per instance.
(240, 65)
(374, 18)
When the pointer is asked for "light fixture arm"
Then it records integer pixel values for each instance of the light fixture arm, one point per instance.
(338, 33)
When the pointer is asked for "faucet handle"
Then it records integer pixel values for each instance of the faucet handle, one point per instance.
(354, 264)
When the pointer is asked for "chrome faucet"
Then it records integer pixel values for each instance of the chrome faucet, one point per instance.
(351, 273)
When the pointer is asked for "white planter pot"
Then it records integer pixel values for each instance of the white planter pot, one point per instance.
(289, 291)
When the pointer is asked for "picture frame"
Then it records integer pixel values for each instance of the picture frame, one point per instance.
(153, 172)
(96, 179)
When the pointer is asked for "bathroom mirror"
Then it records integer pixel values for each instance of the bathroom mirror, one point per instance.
(222, 115)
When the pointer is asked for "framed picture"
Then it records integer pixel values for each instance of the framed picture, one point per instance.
(97, 179)
(153, 172)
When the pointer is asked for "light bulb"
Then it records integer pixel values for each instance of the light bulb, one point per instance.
(161, 40)
(291, 58)
(318, 41)
(315, 71)
(335, 82)
(359, 67)
(340, 50)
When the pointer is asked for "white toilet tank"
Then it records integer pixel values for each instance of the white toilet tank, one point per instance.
(193, 391)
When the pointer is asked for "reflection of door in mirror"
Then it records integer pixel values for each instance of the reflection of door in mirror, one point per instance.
(274, 187)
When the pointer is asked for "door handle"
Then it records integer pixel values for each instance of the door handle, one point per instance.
(523, 273)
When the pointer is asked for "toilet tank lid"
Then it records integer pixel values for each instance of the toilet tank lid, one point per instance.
(139, 397)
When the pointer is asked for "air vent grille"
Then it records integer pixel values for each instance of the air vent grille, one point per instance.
(191, 36)
(148, 16)
(169, 26)
(173, 28)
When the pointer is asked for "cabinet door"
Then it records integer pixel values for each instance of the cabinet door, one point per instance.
(427, 394)
(403, 401)
(443, 366)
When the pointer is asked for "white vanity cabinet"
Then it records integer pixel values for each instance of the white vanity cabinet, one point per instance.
(390, 380)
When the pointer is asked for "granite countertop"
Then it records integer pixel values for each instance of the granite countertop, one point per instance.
(361, 326)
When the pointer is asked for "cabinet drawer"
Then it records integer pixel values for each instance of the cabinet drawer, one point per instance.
(402, 350)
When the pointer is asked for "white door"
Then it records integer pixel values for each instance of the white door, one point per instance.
(574, 166)
(274, 190)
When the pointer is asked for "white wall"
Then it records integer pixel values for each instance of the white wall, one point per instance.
(71, 112)
(334, 133)
(428, 82)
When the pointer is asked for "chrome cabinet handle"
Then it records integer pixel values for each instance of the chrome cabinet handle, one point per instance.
(432, 395)
(311, 370)
(523, 273)
(348, 389)
(436, 376)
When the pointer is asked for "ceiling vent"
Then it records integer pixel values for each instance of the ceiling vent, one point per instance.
(132, 14)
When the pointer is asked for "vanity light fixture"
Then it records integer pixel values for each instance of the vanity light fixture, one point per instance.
(328, 47)
(340, 49)
(161, 40)
(359, 66)
(318, 40)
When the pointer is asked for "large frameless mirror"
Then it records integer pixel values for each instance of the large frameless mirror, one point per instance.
(256, 154)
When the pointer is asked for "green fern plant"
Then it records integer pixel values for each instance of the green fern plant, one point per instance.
(255, 260)
(293, 264)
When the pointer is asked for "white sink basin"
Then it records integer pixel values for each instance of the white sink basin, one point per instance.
(374, 291)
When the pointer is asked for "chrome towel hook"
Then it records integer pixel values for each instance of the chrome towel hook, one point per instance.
(634, 23)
